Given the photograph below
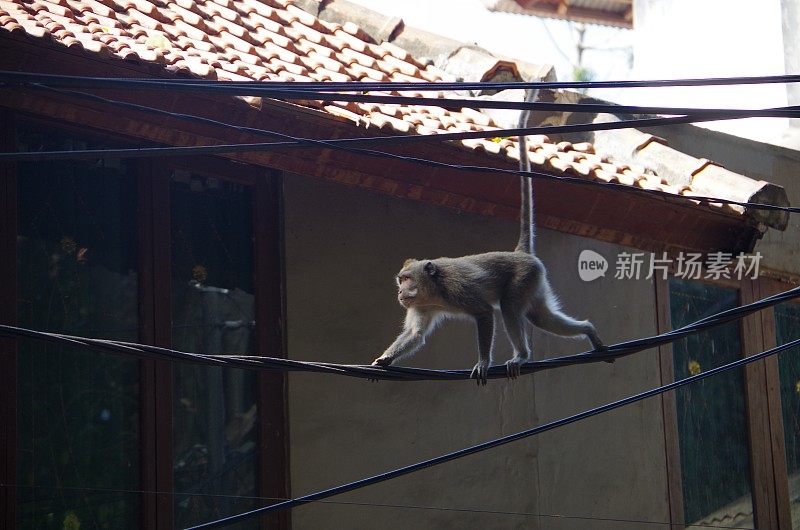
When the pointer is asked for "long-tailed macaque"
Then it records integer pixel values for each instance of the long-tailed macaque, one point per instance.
(432, 290)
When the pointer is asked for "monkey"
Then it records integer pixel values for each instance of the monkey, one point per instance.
(472, 287)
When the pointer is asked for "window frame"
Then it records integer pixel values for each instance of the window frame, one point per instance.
(762, 402)
(769, 287)
(153, 227)
(8, 315)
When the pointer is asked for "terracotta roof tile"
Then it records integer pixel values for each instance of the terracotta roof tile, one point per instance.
(276, 40)
(364, 73)
(391, 64)
(222, 9)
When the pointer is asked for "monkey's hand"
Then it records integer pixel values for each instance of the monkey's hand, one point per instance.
(480, 371)
(382, 361)
(513, 367)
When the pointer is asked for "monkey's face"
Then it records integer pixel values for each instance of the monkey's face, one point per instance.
(414, 283)
(407, 289)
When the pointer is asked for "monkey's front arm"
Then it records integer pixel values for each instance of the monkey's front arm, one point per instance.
(416, 328)
(407, 343)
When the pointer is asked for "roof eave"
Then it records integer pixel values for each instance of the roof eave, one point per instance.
(643, 222)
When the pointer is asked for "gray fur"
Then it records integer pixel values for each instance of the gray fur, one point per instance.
(527, 227)
(473, 287)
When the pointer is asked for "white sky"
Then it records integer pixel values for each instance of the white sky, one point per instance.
(531, 39)
(678, 38)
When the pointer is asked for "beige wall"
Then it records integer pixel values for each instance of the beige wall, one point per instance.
(780, 250)
(343, 247)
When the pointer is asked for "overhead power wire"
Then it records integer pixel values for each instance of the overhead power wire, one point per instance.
(397, 373)
(146, 152)
(399, 472)
(362, 504)
(457, 103)
(343, 144)
(348, 142)
(9, 77)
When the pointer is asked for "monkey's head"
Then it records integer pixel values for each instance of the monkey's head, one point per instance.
(416, 284)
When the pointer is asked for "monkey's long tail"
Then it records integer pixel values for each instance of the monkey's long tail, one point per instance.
(527, 230)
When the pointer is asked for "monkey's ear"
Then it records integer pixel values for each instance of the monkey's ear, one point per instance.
(431, 269)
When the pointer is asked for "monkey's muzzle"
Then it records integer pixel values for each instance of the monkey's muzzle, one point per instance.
(406, 300)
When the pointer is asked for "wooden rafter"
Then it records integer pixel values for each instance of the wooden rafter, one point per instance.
(608, 12)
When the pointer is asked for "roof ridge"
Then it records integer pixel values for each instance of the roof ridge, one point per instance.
(280, 40)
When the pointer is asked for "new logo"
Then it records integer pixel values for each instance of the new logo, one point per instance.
(591, 265)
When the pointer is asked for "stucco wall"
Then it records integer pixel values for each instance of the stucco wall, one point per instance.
(343, 247)
(780, 250)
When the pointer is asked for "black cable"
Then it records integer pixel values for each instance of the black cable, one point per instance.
(375, 479)
(472, 103)
(340, 144)
(90, 490)
(143, 152)
(398, 373)
(148, 83)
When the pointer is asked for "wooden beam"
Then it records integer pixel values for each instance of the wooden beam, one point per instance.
(8, 315)
(647, 223)
(766, 288)
(762, 476)
(672, 455)
(563, 9)
(273, 426)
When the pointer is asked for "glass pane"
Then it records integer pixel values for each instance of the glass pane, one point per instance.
(712, 423)
(78, 411)
(213, 312)
(787, 324)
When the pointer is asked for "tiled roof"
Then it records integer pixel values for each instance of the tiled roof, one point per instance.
(277, 40)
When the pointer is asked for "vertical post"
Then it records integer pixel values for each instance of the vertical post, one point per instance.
(8, 315)
(155, 324)
(764, 288)
(763, 486)
(162, 315)
(668, 407)
(273, 453)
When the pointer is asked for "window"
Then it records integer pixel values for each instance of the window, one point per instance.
(215, 410)
(787, 327)
(711, 414)
(78, 411)
(140, 251)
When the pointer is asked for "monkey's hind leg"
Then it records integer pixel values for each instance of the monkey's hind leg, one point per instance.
(515, 328)
(550, 318)
(485, 323)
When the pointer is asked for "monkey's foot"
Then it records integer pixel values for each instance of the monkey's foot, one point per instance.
(597, 344)
(480, 371)
(514, 367)
(602, 348)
